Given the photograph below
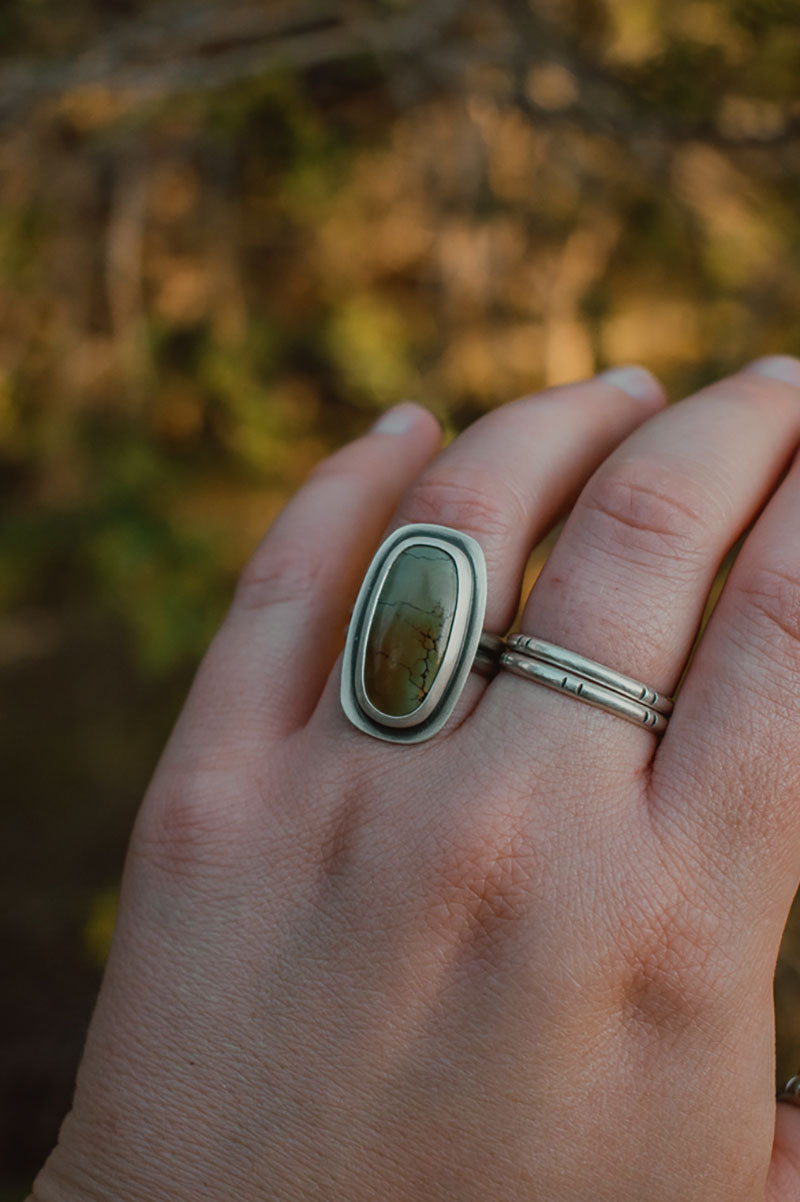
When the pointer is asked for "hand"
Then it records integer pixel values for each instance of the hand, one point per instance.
(531, 958)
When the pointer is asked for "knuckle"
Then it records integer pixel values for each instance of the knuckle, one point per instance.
(280, 571)
(481, 886)
(647, 514)
(770, 597)
(192, 830)
(473, 500)
(329, 843)
(674, 967)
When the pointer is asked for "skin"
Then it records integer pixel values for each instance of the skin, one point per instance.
(533, 957)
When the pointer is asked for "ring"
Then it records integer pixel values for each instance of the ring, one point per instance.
(790, 1091)
(416, 633)
(574, 674)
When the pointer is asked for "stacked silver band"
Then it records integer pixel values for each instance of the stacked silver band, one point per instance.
(790, 1091)
(487, 657)
(567, 672)
(417, 631)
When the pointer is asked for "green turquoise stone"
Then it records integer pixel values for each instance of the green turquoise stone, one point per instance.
(410, 631)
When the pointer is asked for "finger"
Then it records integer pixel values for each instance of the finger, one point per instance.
(268, 663)
(293, 601)
(507, 478)
(628, 579)
(735, 727)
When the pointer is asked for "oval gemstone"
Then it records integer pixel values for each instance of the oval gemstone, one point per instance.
(410, 630)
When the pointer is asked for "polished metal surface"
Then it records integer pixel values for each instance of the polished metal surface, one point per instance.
(487, 657)
(589, 669)
(553, 676)
(790, 1091)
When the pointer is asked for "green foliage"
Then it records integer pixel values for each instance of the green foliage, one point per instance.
(761, 17)
(157, 577)
(369, 344)
(674, 83)
(99, 927)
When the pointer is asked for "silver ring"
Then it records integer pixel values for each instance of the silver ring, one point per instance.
(416, 634)
(567, 672)
(790, 1091)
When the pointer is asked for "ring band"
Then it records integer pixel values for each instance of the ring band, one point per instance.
(567, 672)
(417, 632)
(580, 665)
(487, 657)
(790, 1091)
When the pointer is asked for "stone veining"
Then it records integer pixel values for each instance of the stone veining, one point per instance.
(410, 630)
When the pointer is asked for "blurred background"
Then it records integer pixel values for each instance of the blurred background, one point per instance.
(231, 233)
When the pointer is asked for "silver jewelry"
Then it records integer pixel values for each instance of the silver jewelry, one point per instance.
(568, 672)
(487, 657)
(416, 633)
(790, 1091)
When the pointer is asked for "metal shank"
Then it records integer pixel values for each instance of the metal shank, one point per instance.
(590, 670)
(791, 1091)
(487, 657)
(554, 677)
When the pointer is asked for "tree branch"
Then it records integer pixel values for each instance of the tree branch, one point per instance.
(207, 46)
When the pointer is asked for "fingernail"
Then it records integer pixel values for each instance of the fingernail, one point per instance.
(399, 420)
(778, 367)
(636, 381)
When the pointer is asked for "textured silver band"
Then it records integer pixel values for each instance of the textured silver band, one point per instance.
(487, 657)
(790, 1091)
(567, 672)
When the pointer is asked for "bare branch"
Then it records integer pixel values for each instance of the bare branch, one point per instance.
(184, 47)
(212, 45)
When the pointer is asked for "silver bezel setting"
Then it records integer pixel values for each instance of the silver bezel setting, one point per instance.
(462, 646)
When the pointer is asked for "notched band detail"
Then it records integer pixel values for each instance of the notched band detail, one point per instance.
(567, 672)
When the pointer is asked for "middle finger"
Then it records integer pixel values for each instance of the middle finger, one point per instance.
(507, 478)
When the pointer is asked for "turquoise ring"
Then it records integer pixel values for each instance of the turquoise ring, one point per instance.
(416, 633)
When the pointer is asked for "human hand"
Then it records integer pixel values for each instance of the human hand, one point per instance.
(531, 958)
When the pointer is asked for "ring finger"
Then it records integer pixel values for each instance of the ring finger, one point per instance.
(629, 577)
